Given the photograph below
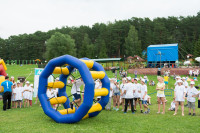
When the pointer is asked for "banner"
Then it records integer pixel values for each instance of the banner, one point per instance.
(38, 71)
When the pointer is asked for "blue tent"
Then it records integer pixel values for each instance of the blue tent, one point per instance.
(164, 53)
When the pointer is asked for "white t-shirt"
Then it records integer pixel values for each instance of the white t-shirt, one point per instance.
(143, 91)
(122, 87)
(180, 90)
(191, 91)
(98, 86)
(55, 92)
(76, 86)
(18, 92)
(49, 93)
(129, 90)
(27, 93)
(111, 91)
(137, 88)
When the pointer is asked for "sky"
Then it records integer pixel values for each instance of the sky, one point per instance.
(29, 16)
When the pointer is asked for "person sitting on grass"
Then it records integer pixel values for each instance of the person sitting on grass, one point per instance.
(160, 94)
(173, 105)
(179, 94)
(128, 91)
(144, 96)
(192, 92)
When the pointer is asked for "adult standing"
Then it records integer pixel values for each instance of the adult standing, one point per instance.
(160, 94)
(8, 86)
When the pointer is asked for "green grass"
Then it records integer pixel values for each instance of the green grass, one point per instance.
(34, 120)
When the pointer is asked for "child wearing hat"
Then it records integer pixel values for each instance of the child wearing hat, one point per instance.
(144, 96)
(192, 92)
(18, 95)
(13, 95)
(27, 93)
(179, 94)
(137, 94)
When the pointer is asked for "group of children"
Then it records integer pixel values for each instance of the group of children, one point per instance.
(129, 92)
(21, 94)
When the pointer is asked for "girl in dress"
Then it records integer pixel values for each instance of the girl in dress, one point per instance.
(179, 94)
(13, 95)
(160, 94)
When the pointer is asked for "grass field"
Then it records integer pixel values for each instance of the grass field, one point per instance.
(34, 120)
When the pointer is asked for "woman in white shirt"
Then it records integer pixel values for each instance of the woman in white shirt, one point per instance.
(179, 94)
(128, 90)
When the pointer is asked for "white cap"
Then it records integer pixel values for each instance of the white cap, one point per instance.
(136, 79)
(192, 82)
(18, 82)
(183, 78)
(143, 80)
(179, 81)
(27, 82)
(14, 84)
(129, 78)
(57, 78)
(12, 77)
(178, 77)
(31, 85)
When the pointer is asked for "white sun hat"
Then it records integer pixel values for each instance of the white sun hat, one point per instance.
(129, 78)
(27, 82)
(192, 82)
(179, 81)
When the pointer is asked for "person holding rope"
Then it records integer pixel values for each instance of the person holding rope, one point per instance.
(76, 91)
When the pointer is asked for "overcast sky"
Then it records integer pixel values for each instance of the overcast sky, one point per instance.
(28, 16)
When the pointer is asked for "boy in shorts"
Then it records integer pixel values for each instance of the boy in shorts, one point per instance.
(144, 96)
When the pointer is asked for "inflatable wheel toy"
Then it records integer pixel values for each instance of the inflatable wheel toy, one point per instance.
(86, 109)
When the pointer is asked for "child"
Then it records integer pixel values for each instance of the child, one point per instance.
(144, 96)
(18, 95)
(128, 91)
(137, 94)
(166, 79)
(179, 94)
(122, 86)
(31, 95)
(27, 92)
(13, 95)
(192, 92)
(173, 105)
(108, 106)
(116, 97)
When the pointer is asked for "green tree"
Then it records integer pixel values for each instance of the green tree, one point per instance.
(103, 50)
(58, 45)
(85, 48)
(132, 43)
(197, 48)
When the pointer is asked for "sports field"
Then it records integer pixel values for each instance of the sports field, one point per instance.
(34, 120)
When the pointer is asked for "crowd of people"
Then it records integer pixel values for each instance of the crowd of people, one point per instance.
(128, 93)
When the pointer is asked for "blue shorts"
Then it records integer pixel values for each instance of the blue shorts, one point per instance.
(77, 96)
(144, 101)
(166, 82)
(117, 94)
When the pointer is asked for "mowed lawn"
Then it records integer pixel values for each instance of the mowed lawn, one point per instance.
(34, 120)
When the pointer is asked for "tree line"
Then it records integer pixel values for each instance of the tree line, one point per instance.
(121, 38)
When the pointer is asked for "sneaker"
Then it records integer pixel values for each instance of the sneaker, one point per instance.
(117, 109)
(133, 112)
(125, 112)
(114, 108)
(145, 112)
(141, 111)
(194, 114)
(189, 114)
